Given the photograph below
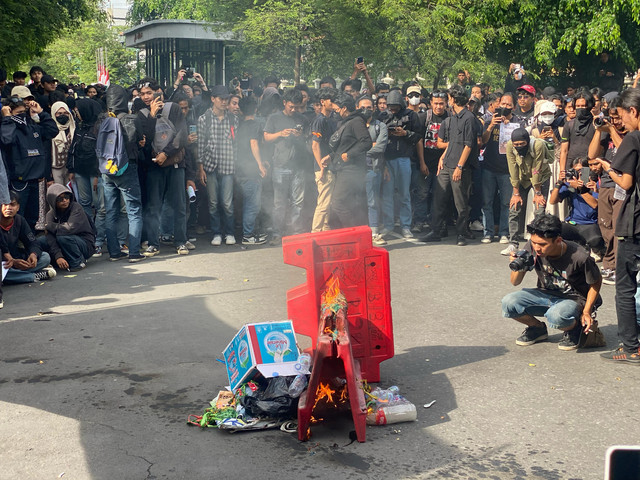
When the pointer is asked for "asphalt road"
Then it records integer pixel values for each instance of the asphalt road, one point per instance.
(99, 371)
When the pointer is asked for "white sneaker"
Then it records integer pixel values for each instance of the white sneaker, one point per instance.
(217, 240)
(476, 226)
(230, 240)
(486, 239)
(189, 245)
(504, 239)
(509, 250)
(406, 233)
(378, 240)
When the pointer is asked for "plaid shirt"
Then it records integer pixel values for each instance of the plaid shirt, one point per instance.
(216, 143)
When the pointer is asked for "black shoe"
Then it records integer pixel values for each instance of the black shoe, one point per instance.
(461, 241)
(571, 339)
(430, 237)
(136, 258)
(77, 268)
(532, 335)
(621, 355)
(119, 256)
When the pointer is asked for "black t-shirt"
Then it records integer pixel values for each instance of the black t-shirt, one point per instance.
(578, 144)
(288, 152)
(494, 161)
(431, 151)
(321, 130)
(246, 164)
(569, 275)
(460, 130)
(626, 161)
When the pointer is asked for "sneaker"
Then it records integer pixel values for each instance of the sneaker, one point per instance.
(384, 232)
(461, 241)
(200, 230)
(504, 239)
(82, 266)
(406, 233)
(620, 355)
(217, 240)
(151, 251)
(509, 250)
(45, 274)
(124, 249)
(486, 239)
(98, 252)
(378, 240)
(189, 245)
(252, 240)
(532, 335)
(120, 256)
(476, 225)
(609, 277)
(182, 250)
(192, 240)
(417, 228)
(571, 339)
(144, 245)
(166, 239)
(230, 240)
(136, 258)
(263, 237)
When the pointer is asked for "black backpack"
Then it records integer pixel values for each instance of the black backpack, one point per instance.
(82, 153)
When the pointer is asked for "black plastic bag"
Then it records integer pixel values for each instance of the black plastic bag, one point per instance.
(272, 399)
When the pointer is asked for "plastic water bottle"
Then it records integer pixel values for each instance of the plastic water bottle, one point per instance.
(405, 412)
(300, 382)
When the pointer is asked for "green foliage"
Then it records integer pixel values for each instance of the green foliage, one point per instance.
(29, 26)
(72, 58)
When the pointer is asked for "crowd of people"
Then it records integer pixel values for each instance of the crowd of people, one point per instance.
(121, 171)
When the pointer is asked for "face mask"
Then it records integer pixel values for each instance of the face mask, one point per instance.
(414, 101)
(582, 113)
(518, 76)
(547, 119)
(367, 114)
(63, 119)
(522, 151)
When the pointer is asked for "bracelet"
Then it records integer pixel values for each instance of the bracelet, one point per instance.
(516, 194)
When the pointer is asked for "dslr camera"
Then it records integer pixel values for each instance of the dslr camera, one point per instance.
(604, 119)
(188, 72)
(572, 174)
(523, 263)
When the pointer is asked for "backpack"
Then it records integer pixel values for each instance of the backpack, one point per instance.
(111, 148)
(165, 134)
(83, 148)
(129, 128)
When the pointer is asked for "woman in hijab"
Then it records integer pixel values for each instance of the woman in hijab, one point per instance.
(62, 142)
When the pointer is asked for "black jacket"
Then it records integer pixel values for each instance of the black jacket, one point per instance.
(19, 232)
(149, 129)
(355, 141)
(404, 146)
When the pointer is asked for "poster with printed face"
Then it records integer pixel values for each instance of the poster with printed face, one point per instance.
(506, 129)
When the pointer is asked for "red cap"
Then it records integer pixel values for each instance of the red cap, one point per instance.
(528, 88)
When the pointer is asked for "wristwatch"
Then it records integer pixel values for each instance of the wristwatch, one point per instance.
(459, 166)
(538, 193)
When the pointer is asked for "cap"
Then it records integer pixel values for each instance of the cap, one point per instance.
(22, 92)
(544, 106)
(48, 79)
(414, 89)
(548, 91)
(528, 88)
(220, 91)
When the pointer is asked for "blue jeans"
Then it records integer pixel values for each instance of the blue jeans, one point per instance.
(26, 276)
(490, 183)
(288, 195)
(220, 189)
(373, 182)
(128, 185)
(419, 195)
(251, 203)
(166, 184)
(561, 313)
(400, 180)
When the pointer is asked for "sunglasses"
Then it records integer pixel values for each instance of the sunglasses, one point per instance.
(413, 95)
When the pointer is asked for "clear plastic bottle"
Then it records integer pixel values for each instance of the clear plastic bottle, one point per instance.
(300, 382)
(402, 412)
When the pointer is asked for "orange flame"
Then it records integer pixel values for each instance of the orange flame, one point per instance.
(332, 291)
(324, 392)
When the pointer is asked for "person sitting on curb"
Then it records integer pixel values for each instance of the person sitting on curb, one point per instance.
(27, 262)
(568, 287)
(70, 236)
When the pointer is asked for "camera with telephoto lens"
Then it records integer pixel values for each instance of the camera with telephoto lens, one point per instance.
(605, 118)
(523, 263)
(571, 174)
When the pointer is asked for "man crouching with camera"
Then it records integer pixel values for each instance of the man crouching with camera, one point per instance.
(568, 287)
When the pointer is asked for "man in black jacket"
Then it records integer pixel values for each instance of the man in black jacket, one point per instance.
(349, 200)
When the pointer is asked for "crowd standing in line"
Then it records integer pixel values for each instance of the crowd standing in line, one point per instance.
(90, 170)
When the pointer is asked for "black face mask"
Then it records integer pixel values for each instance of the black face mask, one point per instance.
(367, 114)
(522, 151)
(582, 113)
(63, 119)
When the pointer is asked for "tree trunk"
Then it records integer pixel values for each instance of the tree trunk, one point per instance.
(296, 65)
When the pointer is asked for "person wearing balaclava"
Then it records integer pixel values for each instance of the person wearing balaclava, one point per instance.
(577, 133)
(527, 169)
(61, 142)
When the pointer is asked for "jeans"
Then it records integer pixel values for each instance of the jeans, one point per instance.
(251, 203)
(29, 195)
(373, 182)
(561, 313)
(74, 249)
(517, 214)
(128, 185)
(400, 180)
(460, 190)
(419, 195)
(220, 189)
(14, 275)
(490, 183)
(627, 267)
(288, 194)
(90, 199)
(166, 184)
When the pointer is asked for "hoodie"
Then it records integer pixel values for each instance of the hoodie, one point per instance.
(73, 221)
(355, 141)
(404, 146)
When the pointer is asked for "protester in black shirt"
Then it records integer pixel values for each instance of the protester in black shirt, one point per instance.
(577, 133)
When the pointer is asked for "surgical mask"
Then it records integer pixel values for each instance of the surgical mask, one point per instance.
(62, 119)
(522, 151)
(367, 114)
(414, 101)
(518, 76)
(547, 119)
(582, 113)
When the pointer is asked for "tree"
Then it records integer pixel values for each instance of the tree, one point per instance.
(72, 58)
(29, 26)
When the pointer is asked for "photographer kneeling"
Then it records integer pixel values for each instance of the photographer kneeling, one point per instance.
(568, 287)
